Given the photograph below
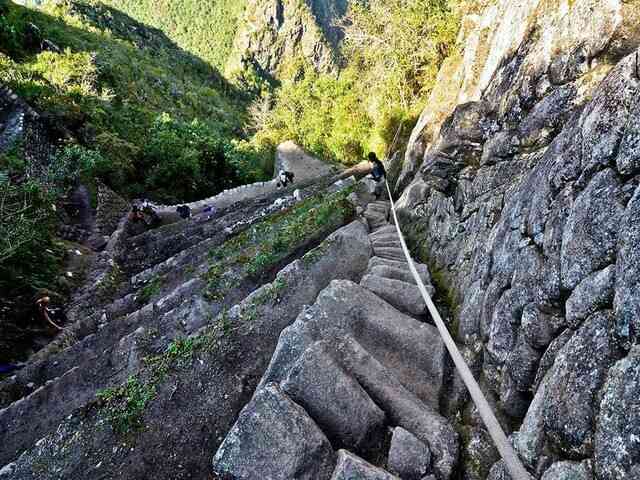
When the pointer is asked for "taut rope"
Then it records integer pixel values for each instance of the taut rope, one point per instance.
(511, 460)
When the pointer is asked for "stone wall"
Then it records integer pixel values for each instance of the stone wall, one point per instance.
(21, 123)
(525, 201)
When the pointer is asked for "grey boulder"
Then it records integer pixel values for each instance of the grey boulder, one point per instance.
(593, 293)
(274, 438)
(627, 301)
(578, 374)
(591, 233)
(351, 467)
(617, 450)
(569, 471)
(334, 399)
(409, 458)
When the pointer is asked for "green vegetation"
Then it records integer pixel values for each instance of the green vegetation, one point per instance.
(149, 291)
(259, 249)
(133, 96)
(30, 257)
(134, 110)
(111, 282)
(206, 29)
(124, 405)
(384, 85)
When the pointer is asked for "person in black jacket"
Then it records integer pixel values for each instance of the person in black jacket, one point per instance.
(378, 173)
(377, 168)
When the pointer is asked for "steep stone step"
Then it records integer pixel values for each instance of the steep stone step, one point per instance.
(393, 273)
(385, 237)
(95, 370)
(376, 215)
(387, 244)
(274, 438)
(17, 429)
(186, 259)
(389, 253)
(385, 230)
(402, 407)
(412, 349)
(404, 296)
(334, 399)
(85, 351)
(350, 467)
(346, 350)
(422, 269)
(116, 351)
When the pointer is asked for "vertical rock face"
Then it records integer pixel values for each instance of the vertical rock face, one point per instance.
(275, 32)
(520, 185)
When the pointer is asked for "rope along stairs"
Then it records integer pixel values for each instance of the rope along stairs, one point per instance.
(509, 456)
(356, 362)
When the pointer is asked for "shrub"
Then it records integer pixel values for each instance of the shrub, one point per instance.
(393, 50)
(192, 160)
(73, 162)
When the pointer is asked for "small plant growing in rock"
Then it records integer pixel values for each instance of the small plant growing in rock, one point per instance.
(150, 290)
(125, 404)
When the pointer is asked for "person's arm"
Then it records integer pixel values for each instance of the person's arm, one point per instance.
(48, 319)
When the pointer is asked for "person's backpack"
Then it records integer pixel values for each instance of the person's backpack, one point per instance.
(378, 172)
(184, 211)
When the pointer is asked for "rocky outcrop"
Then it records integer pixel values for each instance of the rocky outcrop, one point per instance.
(520, 189)
(274, 33)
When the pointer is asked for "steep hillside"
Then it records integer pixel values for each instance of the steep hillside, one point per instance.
(274, 35)
(205, 29)
(96, 96)
(248, 37)
(119, 87)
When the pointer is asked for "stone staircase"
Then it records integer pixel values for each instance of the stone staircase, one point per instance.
(150, 293)
(354, 386)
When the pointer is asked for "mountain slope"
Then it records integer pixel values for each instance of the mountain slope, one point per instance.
(205, 29)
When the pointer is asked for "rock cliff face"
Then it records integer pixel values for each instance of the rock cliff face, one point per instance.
(520, 186)
(274, 32)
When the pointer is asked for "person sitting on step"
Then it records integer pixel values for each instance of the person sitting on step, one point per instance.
(285, 178)
(378, 174)
(135, 215)
(152, 219)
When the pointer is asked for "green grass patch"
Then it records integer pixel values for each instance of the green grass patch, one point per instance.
(259, 249)
(113, 279)
(150, 290)
(125, 405)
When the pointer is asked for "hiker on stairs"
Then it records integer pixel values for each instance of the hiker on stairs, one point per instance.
(152, 219)
(285, 178)
(45, 312)
(378, 174)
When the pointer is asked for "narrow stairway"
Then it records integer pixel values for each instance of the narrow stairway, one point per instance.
(354, 386)
(154, 291)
